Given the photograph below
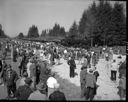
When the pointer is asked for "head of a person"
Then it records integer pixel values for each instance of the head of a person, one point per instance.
(28, 81)
(114, 61)
(41, 87)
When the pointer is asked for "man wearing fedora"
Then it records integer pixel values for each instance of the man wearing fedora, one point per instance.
(23, 92)
(40, 93)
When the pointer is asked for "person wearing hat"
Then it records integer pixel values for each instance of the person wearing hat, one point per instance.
(83, 73)
(72, 65)
(23, 92)
(122, 87)
(57, 95)
(40, 93)
(11, 78)
(90, 84)
(114, 68)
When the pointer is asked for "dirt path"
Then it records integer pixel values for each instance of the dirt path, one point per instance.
(107, 89)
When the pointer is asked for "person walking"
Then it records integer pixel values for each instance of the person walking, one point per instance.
(72, 64)
(57, 95)
(90, 84)
(122, 87)
(114, 68)
(23, 92)
(83, 74)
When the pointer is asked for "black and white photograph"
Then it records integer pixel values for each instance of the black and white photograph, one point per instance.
(63, 50)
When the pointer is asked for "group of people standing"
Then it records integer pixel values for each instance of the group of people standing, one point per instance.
(38, 82)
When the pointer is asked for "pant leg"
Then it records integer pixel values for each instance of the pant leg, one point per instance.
(87, 93)
(91, 93)
(70, 74)
(114, 73)
(13, 89)
(8, 91)
(82, 90)
(111, 74)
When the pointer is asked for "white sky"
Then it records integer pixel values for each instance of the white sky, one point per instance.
(18, 15)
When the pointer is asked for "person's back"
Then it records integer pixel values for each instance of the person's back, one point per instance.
(32, 70)
(90, 80)
(83, 75)
(37, 95)
(57, 96)
(43, 68)
(11, 77)
(23, 92)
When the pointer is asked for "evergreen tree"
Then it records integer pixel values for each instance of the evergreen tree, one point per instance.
(21, 35)
(62, 31)
(118, 26)
(73, 31)
(44, 33)
(2, 34)
(82, 23)
(33, 32)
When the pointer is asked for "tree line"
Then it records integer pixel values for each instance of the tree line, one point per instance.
(101, 24)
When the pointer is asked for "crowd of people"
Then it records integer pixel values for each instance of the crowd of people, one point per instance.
(38, 82)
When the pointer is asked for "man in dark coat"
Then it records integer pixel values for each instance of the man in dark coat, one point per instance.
(23, 92)
(90, 84)
(10, 79)
(83, 73)
(72, 65)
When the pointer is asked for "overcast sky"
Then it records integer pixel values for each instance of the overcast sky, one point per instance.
(18, 15)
